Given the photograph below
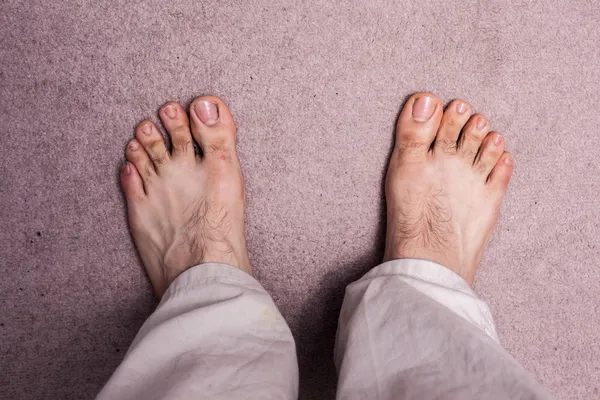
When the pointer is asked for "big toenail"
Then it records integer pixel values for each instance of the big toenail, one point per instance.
(497, 138)
(461, 108)
(481, 123)
(423, 108)
(127, 168)
(171, 111)
(147, 129)
(134, 145)
(207, 111)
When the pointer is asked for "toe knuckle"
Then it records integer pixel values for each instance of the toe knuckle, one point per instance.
(179, 128)
(480, 168)
(182, 147)
(410, 145)
(159, 159)
(476, 135)
(148, 172)
(220, 151)
(469, 153)
(155, 143)
(446, 145)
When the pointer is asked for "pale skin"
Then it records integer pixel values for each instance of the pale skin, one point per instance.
(444, 185)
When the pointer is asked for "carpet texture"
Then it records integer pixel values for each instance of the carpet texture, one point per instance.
(315, 88)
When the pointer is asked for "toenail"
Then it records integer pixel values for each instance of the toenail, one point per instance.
(461, 108)
(508, 160)
(207, 111)
(171, 111)
(147, 129)
(134, 145)
(423, 108)
(127, 168)
(481, 123)
(497, 138)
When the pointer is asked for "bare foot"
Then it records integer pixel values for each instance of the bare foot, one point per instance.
(444, 185)
(186, 209)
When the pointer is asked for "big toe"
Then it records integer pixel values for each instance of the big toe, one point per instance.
(213, 127)
(417, 125)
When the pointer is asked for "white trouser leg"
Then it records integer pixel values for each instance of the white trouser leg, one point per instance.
(216, 334)
(413, 329)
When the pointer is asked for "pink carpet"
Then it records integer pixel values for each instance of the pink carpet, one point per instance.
(315, 88)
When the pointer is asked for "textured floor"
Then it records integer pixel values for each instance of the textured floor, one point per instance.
(315, 88)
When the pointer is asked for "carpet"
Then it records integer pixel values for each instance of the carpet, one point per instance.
(315, 87)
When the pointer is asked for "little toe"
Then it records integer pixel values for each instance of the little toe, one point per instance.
(502, 172)
(417, 125)
(136, 154)
(175, 121)
(213, 127)
(475, 130)
(152, 141)
(132, 184)
(490, 152)
(453, 120)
